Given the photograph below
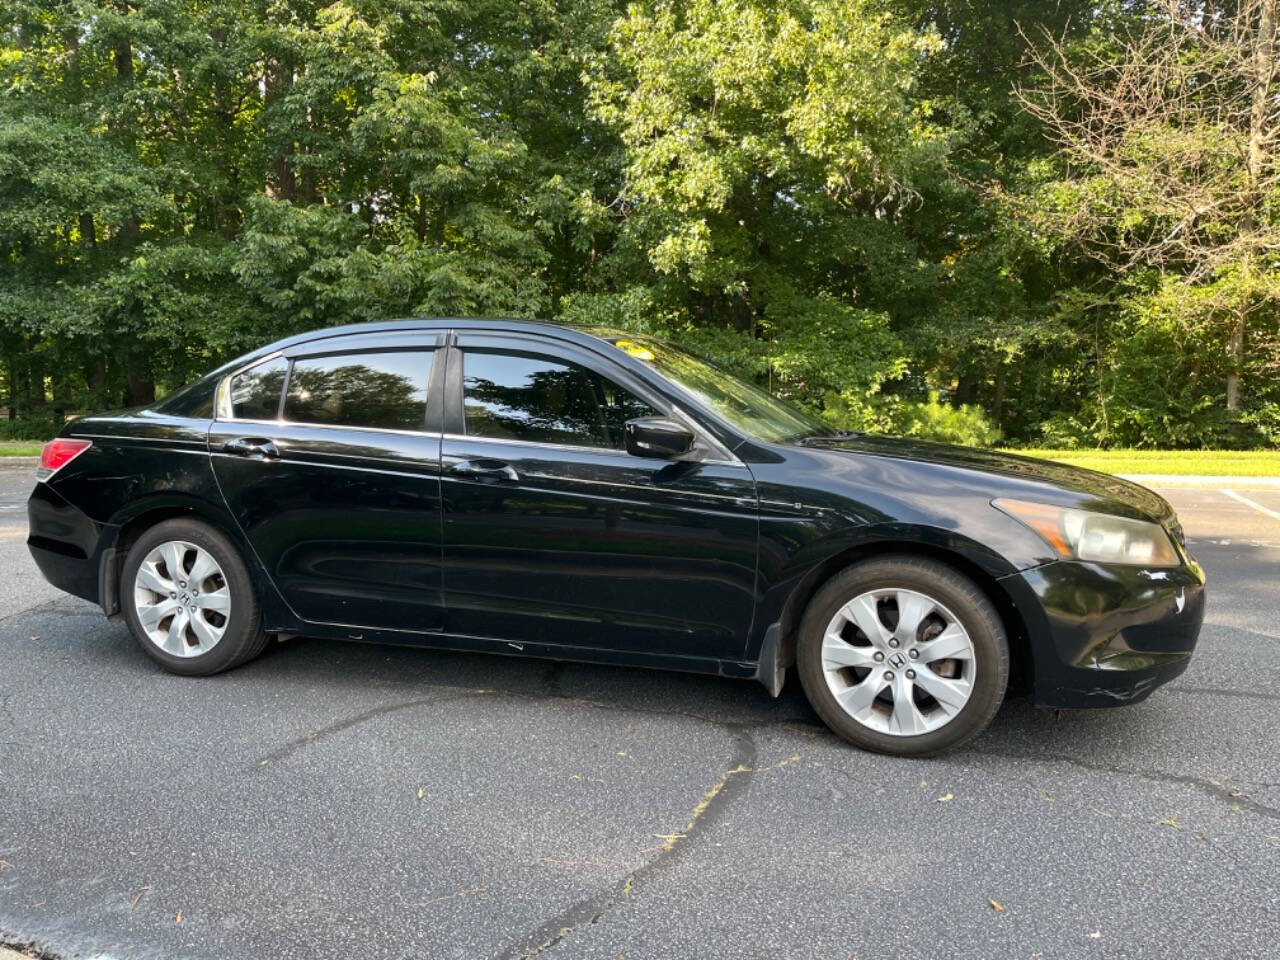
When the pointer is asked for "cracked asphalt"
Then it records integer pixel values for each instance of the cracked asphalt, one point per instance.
(338, 800)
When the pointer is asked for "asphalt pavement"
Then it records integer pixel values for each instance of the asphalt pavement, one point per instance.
(340, 801)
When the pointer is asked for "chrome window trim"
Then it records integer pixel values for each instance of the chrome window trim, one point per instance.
(720, 454)
(573, 447)
(222, 395)
(281, 422)
(611, 451)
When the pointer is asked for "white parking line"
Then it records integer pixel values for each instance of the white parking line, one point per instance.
(1251, 503)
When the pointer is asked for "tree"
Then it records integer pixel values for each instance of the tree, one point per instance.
(180, 181)
(1166, 173)
(769, 153)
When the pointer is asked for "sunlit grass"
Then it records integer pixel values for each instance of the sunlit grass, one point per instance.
(19, 448)
(1221, 463)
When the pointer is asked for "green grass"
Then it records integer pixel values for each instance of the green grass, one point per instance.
(20, 448)
(1219, 463)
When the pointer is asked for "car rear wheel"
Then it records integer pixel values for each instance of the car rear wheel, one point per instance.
(187, 597)
(903, 655)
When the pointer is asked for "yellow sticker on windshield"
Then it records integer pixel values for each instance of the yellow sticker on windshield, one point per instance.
(634, 349)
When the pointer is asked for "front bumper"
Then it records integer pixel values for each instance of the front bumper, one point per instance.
(1104, 635)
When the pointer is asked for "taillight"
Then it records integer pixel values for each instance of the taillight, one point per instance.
(57, 453)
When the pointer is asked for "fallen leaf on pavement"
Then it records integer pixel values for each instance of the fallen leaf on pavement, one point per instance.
(945, 798)
(178, 919)
(997, 906)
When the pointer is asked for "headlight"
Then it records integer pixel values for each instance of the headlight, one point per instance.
(1097, 537)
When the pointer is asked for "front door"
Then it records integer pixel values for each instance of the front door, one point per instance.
(553, 533)
(337, 488)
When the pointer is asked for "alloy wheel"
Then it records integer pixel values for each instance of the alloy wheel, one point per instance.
(898, 662)
(181, 597)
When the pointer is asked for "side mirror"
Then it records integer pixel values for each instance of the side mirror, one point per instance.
(658, 437)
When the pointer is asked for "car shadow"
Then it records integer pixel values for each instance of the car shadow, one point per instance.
(356, 671)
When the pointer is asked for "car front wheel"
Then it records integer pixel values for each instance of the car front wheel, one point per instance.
(188, 599)
(903, 655)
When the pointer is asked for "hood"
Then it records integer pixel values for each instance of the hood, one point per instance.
(1083, 488)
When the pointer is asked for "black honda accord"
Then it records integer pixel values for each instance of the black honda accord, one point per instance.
(593, 495)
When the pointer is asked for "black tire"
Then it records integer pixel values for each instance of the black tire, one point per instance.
(970, 606)
(243, 637)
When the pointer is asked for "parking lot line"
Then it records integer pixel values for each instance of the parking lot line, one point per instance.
(1251, 503)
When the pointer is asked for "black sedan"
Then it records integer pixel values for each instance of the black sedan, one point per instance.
(593, 495)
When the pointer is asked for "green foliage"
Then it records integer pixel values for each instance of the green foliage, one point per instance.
(928, 419)
(934, 420)
(841, 199)
(27, 429)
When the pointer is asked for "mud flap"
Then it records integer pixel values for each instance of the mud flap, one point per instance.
(771, 670)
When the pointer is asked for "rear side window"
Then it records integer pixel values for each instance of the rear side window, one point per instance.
(255, 393)
(526, 396)
(387, 390)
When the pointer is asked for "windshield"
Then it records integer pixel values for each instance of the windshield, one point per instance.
(745, 406)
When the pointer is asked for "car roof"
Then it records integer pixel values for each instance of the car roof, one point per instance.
(586, 336)
(497, 324)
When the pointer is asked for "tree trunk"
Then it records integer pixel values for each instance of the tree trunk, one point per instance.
(281, 181)
(13, 389)
(98, 381)
(1235, 357)
(966, 388)
(122, 53)
(1264, 70)
(421, 224)
(63, 398)
(34, 391)
(140, 390)
(88, 235)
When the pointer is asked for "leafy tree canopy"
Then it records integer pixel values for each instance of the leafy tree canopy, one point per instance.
(1049, 222)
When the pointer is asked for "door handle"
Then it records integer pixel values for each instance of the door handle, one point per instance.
(257, 448)
(490, 471)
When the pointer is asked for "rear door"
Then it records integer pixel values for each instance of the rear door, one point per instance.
(553, 533)
(328, 460)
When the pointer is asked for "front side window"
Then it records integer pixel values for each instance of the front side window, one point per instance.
(254, 394)
(512, 395)
(743, 404)
(387, 390)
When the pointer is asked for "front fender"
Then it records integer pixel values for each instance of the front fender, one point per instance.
(789, 580)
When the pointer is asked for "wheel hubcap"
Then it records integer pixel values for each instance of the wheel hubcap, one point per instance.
(898, 662)
(182, 600)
